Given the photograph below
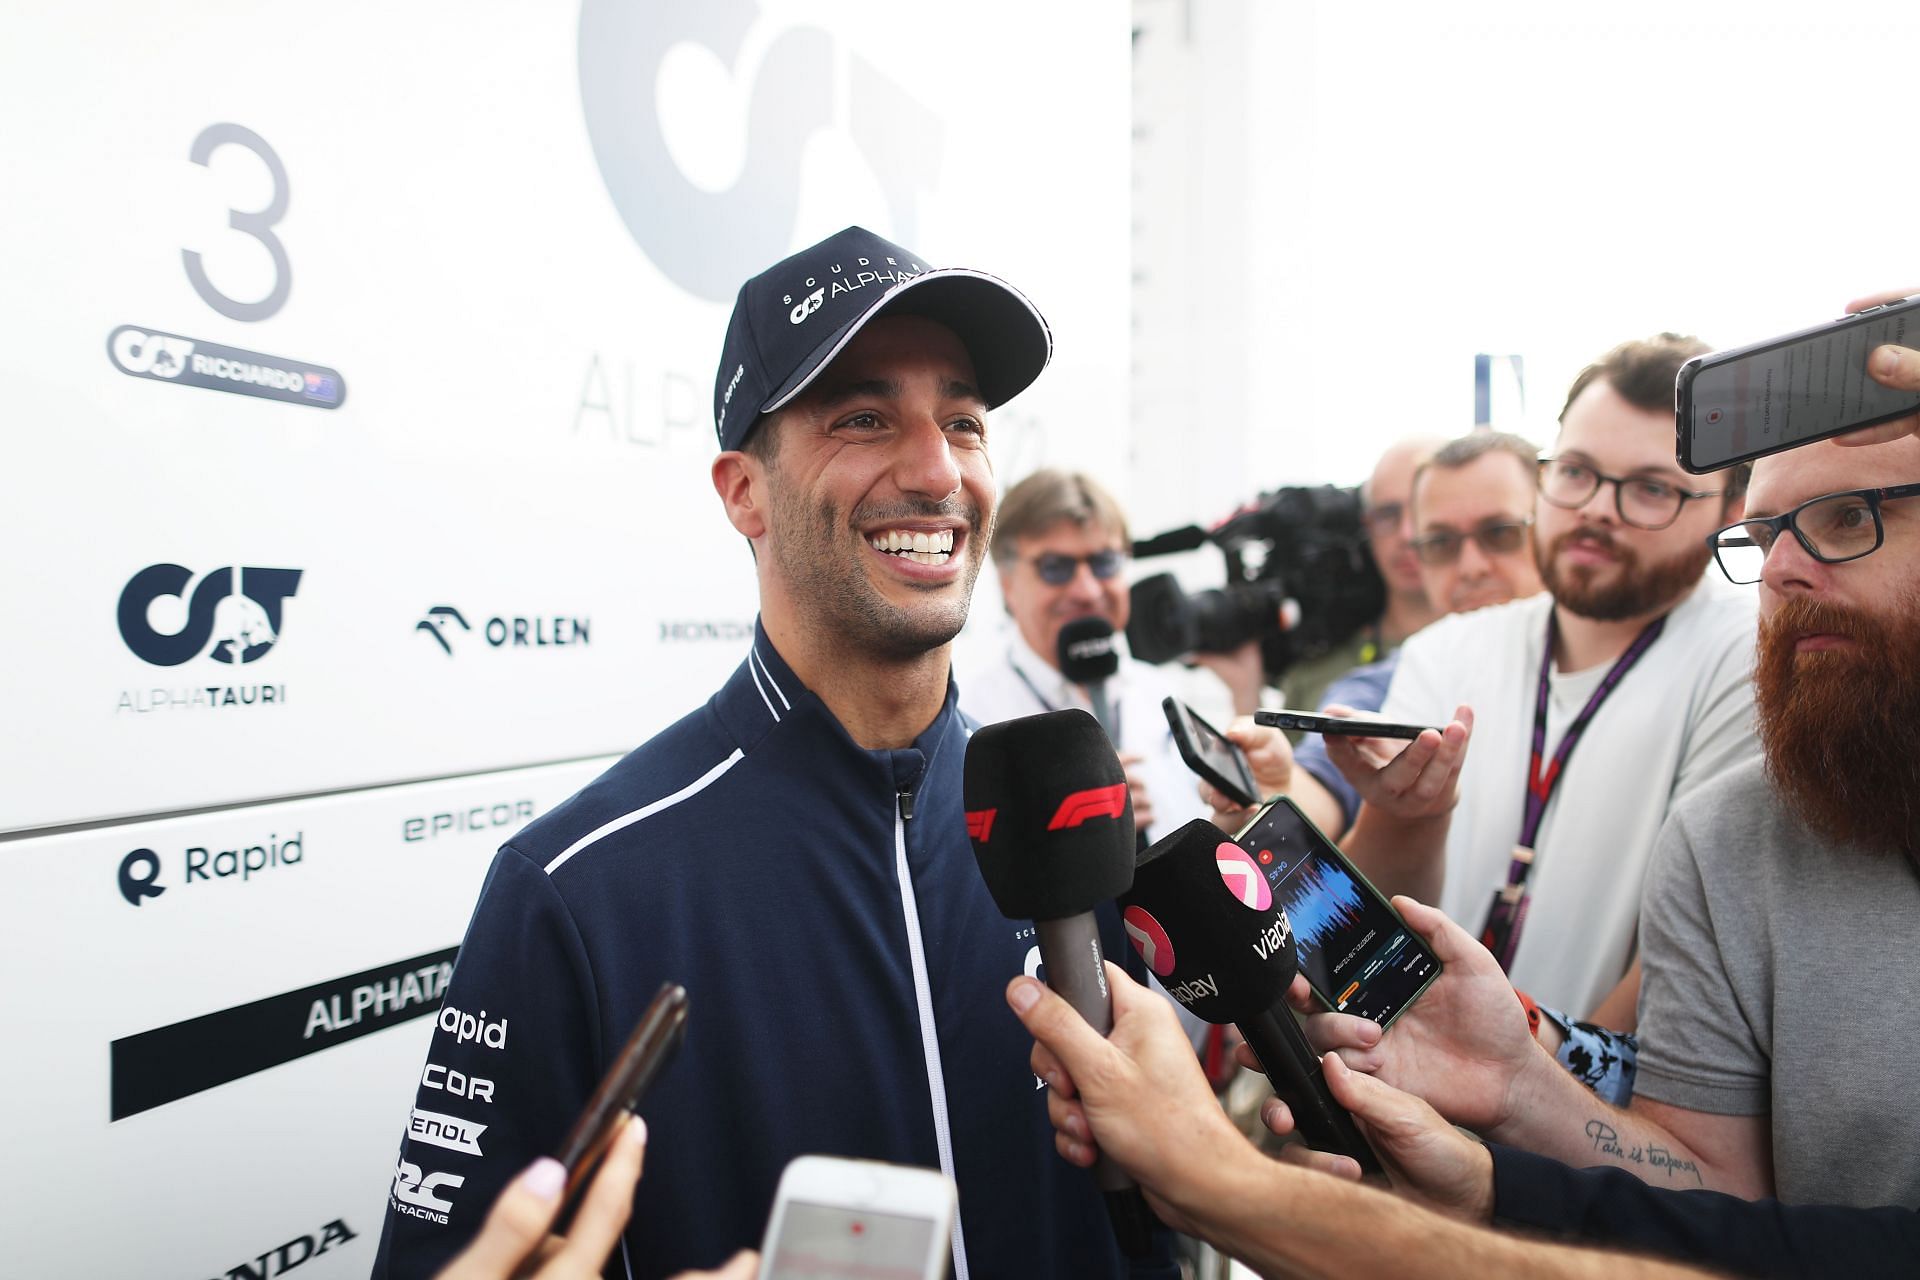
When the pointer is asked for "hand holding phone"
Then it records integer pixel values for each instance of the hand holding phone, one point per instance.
(646, 1053)
(1339, 726)
(838, 1219)
(1358, 955)
(1744, 403)
(1211, 754)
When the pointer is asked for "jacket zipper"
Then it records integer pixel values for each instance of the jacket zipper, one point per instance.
(929, 1034)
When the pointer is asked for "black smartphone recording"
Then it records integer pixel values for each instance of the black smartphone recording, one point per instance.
(1355, 950)
(647, 1052)
(1211, 754)
(1744, 403)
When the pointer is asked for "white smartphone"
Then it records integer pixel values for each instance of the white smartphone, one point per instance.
(837, 1219)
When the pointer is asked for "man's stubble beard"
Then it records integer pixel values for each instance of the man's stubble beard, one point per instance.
(1636, 591)
(1841, 728)
(825, 572)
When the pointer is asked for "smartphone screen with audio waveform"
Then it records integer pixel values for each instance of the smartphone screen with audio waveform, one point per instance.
(1354, 949)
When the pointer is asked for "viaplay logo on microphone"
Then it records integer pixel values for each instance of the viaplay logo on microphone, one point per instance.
(1149, 939)
(1243, 877)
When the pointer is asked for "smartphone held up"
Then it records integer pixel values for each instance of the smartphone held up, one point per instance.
(1744, 403)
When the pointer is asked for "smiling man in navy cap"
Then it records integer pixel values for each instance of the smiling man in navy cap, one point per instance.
(793, 852)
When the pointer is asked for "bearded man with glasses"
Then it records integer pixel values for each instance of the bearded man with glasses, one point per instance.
(1538, 848)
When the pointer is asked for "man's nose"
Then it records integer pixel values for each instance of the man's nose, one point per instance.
(924, 462)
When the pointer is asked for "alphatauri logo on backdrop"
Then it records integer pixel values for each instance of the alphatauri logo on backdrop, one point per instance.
(234, 615)
(642, 63)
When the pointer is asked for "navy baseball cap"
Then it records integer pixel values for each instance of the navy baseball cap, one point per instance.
(791, 320)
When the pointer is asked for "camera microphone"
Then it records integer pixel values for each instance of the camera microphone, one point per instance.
(1203, 917)
(1052, 828)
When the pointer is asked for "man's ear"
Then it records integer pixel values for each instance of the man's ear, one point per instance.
(741, 482)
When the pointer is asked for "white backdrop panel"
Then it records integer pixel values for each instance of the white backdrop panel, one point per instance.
(507, 236)
(258, 904)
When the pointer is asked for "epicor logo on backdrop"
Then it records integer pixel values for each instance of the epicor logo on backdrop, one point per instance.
(200, 864)
(234, 616)
(466, 820)
(445, 625)
(194, 362)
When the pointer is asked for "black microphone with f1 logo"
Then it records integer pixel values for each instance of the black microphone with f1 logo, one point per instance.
(1052, 827)
(1202, 915)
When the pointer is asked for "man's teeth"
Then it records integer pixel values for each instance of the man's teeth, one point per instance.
(915, 545)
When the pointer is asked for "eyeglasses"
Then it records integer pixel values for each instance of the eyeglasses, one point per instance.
(1642, 501)
(1833, 529)
(1384, 518)
(1057, 570)
(1495, 538)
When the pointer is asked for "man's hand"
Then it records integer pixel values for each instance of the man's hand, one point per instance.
(1131, 762)
(1242, 670)
(1890, 366)
(1418, 780)
(1463, 1046)
(1425, 1157)
(1136, 1095)
(1269, 757)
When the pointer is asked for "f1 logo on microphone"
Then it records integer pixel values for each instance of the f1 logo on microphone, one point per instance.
(1083, 806)
(1242, 876)
(1149, 939)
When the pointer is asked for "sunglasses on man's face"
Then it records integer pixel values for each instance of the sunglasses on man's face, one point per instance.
(1057, 569)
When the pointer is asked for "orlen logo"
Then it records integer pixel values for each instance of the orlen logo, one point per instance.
(1243, 877)
(1083, 806)
(238, 610)
(155, 354)
(1149, 939)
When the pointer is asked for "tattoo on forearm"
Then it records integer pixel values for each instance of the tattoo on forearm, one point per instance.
(1606, 1142)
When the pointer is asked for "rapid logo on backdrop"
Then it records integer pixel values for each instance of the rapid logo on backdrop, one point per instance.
(234, 615)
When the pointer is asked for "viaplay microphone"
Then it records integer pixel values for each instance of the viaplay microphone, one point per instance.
(1203, 917)
(1052, 828)
(1089, 658)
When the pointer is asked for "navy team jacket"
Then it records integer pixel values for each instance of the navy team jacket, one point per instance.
(845, 967)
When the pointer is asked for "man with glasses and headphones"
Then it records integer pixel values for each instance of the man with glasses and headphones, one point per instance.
(1539, 848)
(1061, 547)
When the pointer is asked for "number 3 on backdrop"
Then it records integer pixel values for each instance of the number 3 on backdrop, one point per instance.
(257, 224)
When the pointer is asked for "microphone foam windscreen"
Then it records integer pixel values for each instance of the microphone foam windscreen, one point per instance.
(1049, 815)
(1087, 652)
(1203, 916)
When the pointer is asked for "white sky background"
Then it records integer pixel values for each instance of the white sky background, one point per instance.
(1433, 181)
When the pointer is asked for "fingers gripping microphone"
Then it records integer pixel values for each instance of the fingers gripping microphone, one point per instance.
(1204, 918)
(1052, 827)
(1088, 657)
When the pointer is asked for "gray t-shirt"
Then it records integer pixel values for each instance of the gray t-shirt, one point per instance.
(1780, 981)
